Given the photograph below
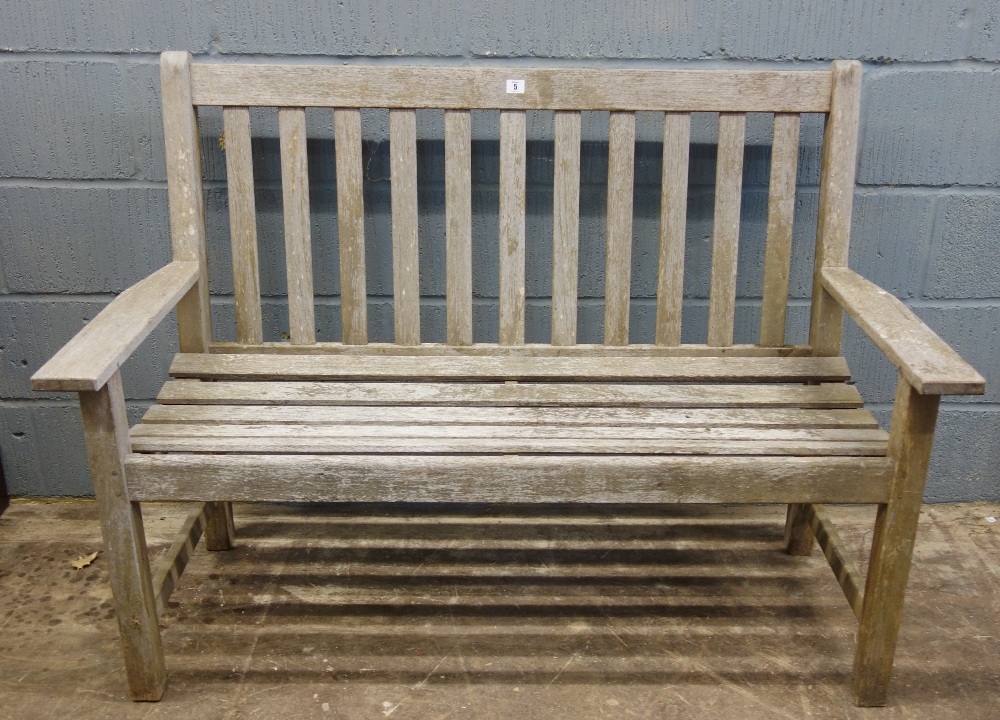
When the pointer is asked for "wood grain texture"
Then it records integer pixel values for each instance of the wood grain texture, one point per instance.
(927, 362)
(799, 539)
(673, 227)
(507, 479)
(618, 267)
(94, 355)
(173, 562)
(451, 394)
(242, 224)
(105, 427)
(492, 369)
(458, 233)
(184, 191)
(405, 255)
(836, 200)
(351, 225)
(565, 227)
(336, 85)
(726, 228)
(298, 229)
(256, 443)
(529, 350)
(911, 437)
(508, 417)
(780, 216)
(848, 576)
(511, 223)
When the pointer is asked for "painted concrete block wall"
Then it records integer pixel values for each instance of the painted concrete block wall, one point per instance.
(83, 211)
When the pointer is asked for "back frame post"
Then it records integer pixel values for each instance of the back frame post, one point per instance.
(187, 232)
(833, 234)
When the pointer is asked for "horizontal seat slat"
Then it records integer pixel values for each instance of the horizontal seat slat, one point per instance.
(430, 478)
(492, 349)
(497, 430)
(200, 415)
(493, 446)
(400, 368)
(187, 392)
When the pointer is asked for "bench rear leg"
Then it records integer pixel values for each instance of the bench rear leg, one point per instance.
(799, 539)
(220, 533)
(911, 437)
(106, 430)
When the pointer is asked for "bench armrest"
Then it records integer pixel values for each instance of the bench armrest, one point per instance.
(96, 352)
(926, 361)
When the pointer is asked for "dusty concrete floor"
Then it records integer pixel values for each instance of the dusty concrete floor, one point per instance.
(487, 613)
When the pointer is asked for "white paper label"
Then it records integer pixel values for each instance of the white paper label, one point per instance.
(515, 85)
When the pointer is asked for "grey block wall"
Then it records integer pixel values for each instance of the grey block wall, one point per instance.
(83, 210)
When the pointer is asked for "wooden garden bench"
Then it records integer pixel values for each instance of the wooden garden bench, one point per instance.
(461, 421)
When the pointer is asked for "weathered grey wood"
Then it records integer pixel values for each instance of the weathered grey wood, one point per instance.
(673, 227)
(105, 427)
(335, 85)
(780, 214)
(458, 235)
(618, 268)
(532, 350)
(912, 435)
(847, 574)
(565, 227)
(242, 224)
(333, 367)
(513, 395)
(926, 361)
(351, 225)
(600, 430)
(511, 222)
(836, 200)
(184, 192)
(726, 228)
(405, 257)
(171, 566)
(509, 417)
(298, 232)
(403, 478)
(89, 360)
(799, 538)
(591, 447)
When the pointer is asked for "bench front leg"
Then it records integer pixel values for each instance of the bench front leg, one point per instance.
(910, 440)
(105, 426)
(799, 538)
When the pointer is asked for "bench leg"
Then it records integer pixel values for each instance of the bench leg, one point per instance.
(911, 436)
(106, 430)
(799, 538)
(220, 533)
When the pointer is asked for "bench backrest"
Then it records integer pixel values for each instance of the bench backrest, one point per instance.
(675, 94)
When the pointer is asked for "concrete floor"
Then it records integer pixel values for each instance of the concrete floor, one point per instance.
(489, 613)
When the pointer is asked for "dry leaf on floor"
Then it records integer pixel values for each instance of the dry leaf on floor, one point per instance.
(84, 560)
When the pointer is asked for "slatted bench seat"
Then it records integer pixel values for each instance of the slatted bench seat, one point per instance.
(508, 422)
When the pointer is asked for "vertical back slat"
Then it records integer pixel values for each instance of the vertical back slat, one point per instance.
(242, 224)
(298, 239)
(726, 228)
(618, 268)
(187, 203)
(351, 225)
(565, 227)
(673, 226)
(780, 215)
(511, 222)
(836, 200)
(458, 237)
(405, 257)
